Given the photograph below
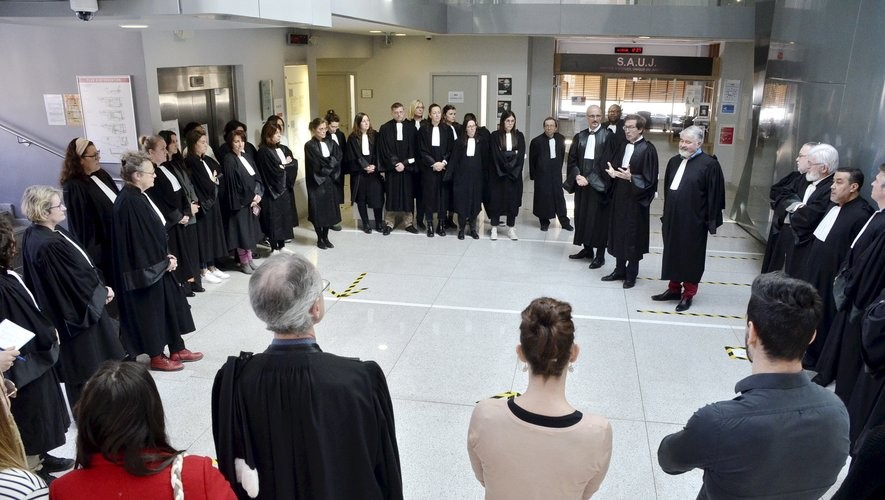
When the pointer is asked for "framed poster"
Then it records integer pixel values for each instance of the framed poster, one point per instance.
(505, 85)
(108, 114)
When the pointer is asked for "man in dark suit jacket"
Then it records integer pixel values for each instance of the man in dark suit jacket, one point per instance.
(823, 160)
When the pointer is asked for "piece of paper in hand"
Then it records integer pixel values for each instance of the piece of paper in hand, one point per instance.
(12, 334)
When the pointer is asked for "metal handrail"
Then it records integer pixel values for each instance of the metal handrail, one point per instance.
(28, 141)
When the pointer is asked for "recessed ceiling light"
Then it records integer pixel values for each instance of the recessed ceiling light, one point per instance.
(374, 31)
(644, 37)
(134, 26)
(400, 34)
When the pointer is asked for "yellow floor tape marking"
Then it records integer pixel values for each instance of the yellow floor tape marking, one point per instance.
(350, 289)
(737, 352)
(697, 315)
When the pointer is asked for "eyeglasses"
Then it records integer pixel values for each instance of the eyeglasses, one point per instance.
(97, 153)
(152, 172)
(60, 205)
(326, 285)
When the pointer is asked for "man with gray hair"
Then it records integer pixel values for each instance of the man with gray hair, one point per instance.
(295, 422)
(694, 197)
(823, 160)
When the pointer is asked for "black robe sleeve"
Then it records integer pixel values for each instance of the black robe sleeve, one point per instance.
(644, 176)
(319, 168)
(387, 465)
(509, 163)
(271, 170)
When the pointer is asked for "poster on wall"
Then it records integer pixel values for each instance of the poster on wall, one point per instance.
(731, 91)
(55, 109)
(108, 114)
(502, 107)
(505, 85)
(726, 135)
(73, 112)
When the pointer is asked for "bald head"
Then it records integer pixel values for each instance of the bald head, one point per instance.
(594, 116)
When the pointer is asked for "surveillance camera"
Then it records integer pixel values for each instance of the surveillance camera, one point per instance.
(428, 37)
(84, 9)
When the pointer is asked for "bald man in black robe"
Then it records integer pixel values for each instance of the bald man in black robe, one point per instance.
(397, 160)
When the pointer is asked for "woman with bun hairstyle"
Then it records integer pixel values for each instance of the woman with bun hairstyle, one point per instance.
(536, 445)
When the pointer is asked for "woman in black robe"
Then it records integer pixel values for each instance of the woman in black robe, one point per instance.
(230, 127)
(277, 218)
(366, 184)
(153, 309)
(322, 158)
(436, 141)
(204, 170)
(242, 195)
(465, 172)
(39, 406)
(337, 136)
(291, 167)
(69, 290)
(505, 174)
(182, 238)
(450, 117)
(416, 119)
(89, 194)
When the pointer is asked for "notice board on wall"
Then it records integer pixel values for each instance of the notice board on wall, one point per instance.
(108, 114)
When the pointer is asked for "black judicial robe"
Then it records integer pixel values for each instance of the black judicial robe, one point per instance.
(400, 185)
(248, 150)
(629, 229)
(175, 204)
(313, 425)
(433, 187)
(548, 200)
(783, 193)
(690, 213)
(825, 259)
(619, 137)
(153, 310)
(466, 173)
(505, 174)
(72, 295)
(863, 272)
(803, 222)
(365, 188)
(240, 189)
(39, 408)
(339, 182)
(592, 207)
(323, 209)
(90, 217)
(211, 242)
(277, 218)
(866, 408)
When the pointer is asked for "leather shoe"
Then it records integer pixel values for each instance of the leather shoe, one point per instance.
(629, 283)
(440, 230)
(568, 227)
(597, 263)
(366, 228)
(163, 364)
(473, 234)
(545, 227)
(461, 234)
(684, 304)
(385, 230)
(411, 229)
(583, 254)
(186, 356)
(328, 243)
(668, 295)
(430, 231)
(197, 288)
(336, 227)
(614, 276)
(55, 464)
(321, 244)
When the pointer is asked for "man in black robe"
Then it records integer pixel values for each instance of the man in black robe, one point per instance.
(614, 123)
(295, 422)
(785, 193)
(587, 158)
(635, 182)
(396, 158)
(857, 285)
(805, 214)
(831, 241)
(694, 198)
(546, 154)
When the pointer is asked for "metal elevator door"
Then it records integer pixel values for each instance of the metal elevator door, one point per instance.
(201, 94)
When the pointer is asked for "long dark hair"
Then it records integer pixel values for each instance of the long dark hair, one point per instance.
(120, 416)
(355, 131)
(72, 166)
(468, 118)
(502, 141)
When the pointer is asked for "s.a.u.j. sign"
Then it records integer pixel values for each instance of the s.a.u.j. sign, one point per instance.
(634, 64)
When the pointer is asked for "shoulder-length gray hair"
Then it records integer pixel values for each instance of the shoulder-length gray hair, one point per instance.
(283, 290)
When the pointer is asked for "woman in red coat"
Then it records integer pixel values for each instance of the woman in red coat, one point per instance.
(122, 448)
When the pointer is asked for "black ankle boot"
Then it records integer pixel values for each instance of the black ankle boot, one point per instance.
(366, 227)
(473, 234)
(461, 233)
(430, 229)
(441, 229)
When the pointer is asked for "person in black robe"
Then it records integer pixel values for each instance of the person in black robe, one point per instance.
(396, 159)
(807, 213)
(211, 241)
(785, 193)
(366, 183)
(615, 124)
(241, 201)
(295, 422)
(69, 290)
(276, 216)
(322, 159)
(291, 167)
(591, 185)
(153, 309)
(546, 156)
(866, 408)
(831, 241)
(183, 239)
(635, 182)
(38, 406)
(450, 118)
(694, 198)
(417, 119)
(507, 145)
(89, 194)
(337, 136)
(856, 286)
(465, 173)
(249, 150)
(436, 141)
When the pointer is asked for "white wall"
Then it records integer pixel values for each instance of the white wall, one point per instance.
(736, 63)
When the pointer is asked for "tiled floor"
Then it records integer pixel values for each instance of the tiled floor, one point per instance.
(441, 317)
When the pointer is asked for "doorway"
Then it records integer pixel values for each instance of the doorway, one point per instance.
(461, 91)
(336, 91)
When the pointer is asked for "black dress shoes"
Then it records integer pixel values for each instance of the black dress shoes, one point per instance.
(461, 234)
(684, 304)
(567, 226)
(366, 228)
(583, 254)
(597, 263)
(197, 288)
(473, 234)
(441, 229)
(545, 227)
(615, 276)
(321, 244)
(55, 464)
(385, 230)
(629, 283)
(328, 243)
(668, 295)
(411, 229)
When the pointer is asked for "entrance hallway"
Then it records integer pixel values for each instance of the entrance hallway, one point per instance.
(441, 317)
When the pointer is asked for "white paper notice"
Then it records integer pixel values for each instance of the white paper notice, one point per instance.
(12, 334)
(55, 109)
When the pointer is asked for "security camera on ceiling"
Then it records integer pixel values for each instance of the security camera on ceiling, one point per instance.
(84, 9)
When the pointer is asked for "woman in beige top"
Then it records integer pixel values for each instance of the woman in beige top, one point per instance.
(537, 446)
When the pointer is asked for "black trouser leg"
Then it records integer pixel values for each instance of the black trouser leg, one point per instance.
(379, 221)
(364, 214)
(511, 220)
